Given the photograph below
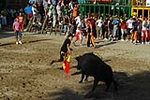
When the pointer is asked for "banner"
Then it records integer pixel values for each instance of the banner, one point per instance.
(147, 3)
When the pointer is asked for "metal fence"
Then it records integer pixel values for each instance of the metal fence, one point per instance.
(105, 9)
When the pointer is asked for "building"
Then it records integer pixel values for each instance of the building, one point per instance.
(141, 8)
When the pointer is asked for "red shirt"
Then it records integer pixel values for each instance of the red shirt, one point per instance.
(123, 25)
(20, 18)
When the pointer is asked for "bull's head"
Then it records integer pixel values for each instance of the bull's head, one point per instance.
(78, 60)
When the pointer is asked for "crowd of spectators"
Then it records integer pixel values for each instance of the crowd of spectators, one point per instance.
(65, 13)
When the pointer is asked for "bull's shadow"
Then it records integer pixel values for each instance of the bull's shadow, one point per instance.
(131, 87)
(135, 87)
(65, 94)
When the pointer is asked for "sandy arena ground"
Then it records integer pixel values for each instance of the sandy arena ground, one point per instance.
(26, 73)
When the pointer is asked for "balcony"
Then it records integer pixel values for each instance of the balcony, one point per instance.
(139, 3)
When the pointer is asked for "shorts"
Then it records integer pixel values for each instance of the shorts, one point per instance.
(62, 56)
(129, 31)
(29, 15)
(66, 28)
(134, 35)
(144, 34)
(18, 34)
(38, 15)
(148, 36)
(78, 36)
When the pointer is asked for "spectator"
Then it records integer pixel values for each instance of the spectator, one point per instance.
(50, 9)
(99, 23)
(28, 11)
(3, 17)
(54, 2)
(105, 30)
(110, 28)
(78, 36)
(144, 34)
(90, 36)
(78, 20)
(36, 13)
(16, 28)
(21, 21)
(123, 29)
(65, 10)
(73, 27)
(83, 28)
(139, 30)
(54, 13)
(66, 21)
(92, 20)
(59, 11)
(115, 23)
(71, 7)
(129, 27)
(75, 11)
(31, 1)
(148, 32)
(45, 5)
(40, 8)
(134, 32)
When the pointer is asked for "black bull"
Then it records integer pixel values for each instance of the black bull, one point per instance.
(92, 65)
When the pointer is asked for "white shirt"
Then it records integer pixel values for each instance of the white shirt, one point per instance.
(78, 21)
(58, 9)
(45, 4)
(99, 22)
(71, 5)
(129, 23)
(49, 1)
(34, 10)
(144, 25)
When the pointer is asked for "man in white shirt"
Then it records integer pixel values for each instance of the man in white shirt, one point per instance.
(99, 23)
(129, 27)
(59, 11)
(78, 20)
(70, 7)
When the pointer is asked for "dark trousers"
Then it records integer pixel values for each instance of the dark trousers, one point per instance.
(88, 40)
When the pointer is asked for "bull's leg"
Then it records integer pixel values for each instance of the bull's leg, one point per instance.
(95, 84)
(82, 77)
(108, 85)
(86, 79)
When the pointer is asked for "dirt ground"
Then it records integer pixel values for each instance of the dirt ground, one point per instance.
(26, 73)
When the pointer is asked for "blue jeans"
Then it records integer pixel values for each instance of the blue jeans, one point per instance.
(66, 28)
(115, 32)
(18, 34)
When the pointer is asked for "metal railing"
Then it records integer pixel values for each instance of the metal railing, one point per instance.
(104, 9)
